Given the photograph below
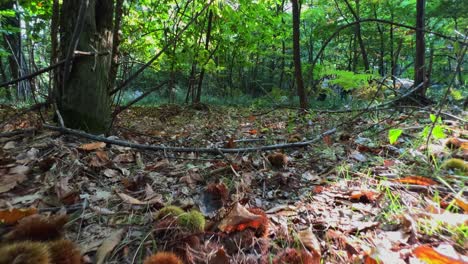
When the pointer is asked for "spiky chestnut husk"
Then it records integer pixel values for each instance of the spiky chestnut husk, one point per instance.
(167, 211)
(278, 160)
(37, 228)
(456, 164)
(294, 256)
(163, 258)
(25, 252)
(64, 251)
(193, 221)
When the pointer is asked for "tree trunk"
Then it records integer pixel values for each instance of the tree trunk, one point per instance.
(359, 34)
(420, 48)
(83, 98)
(54, 25)
(115, 45)
(296, 13)
(382, 46)
(207, 43)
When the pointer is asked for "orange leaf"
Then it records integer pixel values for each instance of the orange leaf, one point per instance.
(239, 219)
(92, 146)
(12, 216)
(461, 203)
(418, 180)
(253, 131)
(252, 118)
(431, 256)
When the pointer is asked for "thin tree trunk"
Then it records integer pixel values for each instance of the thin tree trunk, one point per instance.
(54, 26)
(207, 43)
(359, 34)
(115, 45)
(420, 48)
(296, 13)
(382, 46)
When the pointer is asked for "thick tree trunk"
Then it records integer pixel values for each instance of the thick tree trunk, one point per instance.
(297, 55)
(420, 48)
(84, 101)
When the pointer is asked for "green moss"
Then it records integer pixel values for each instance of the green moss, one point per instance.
(170, 210)
(193, 221)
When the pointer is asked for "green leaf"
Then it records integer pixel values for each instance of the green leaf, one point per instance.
(394, 134)
(438, 132)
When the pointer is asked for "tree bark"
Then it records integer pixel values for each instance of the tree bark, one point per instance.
(359, 34)
(54, 25)
(207, 43)
(115, 45)
(84, 102)
(420, 48)
(296, 13)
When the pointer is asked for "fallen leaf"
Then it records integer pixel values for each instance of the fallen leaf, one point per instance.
(364, 196)
(108, 245)
(92, 146)
(253, 131)
(111, 173)
(431, 256)
(128, 199)
(124, 158)
(418, 180)
(310, 241)
(461, 203)
(239, 215)
(9, 181)
(12, 216)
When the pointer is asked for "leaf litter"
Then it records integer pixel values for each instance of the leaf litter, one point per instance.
(350, 198)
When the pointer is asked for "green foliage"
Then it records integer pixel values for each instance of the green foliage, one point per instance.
(346, 79)
(394, 134)
(437, 131)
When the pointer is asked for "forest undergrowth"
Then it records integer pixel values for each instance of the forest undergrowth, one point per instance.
(349, 197)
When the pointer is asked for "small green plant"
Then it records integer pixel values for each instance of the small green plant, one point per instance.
(437, 131)
(394, 134)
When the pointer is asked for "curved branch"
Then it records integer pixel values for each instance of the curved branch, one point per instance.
(325, 44)
(182, 149)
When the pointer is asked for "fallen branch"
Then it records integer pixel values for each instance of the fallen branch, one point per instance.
(17, 132)
(183, 149)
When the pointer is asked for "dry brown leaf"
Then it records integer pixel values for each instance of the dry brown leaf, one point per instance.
(15, 175)
(431, 256)
(102, 155)
(108, 245)
(310, 241)
(239, 215)
(124, 158)
(92, 146)
(12, 216)
(128, 199)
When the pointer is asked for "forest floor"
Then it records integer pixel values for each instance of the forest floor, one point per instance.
(350, 197)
